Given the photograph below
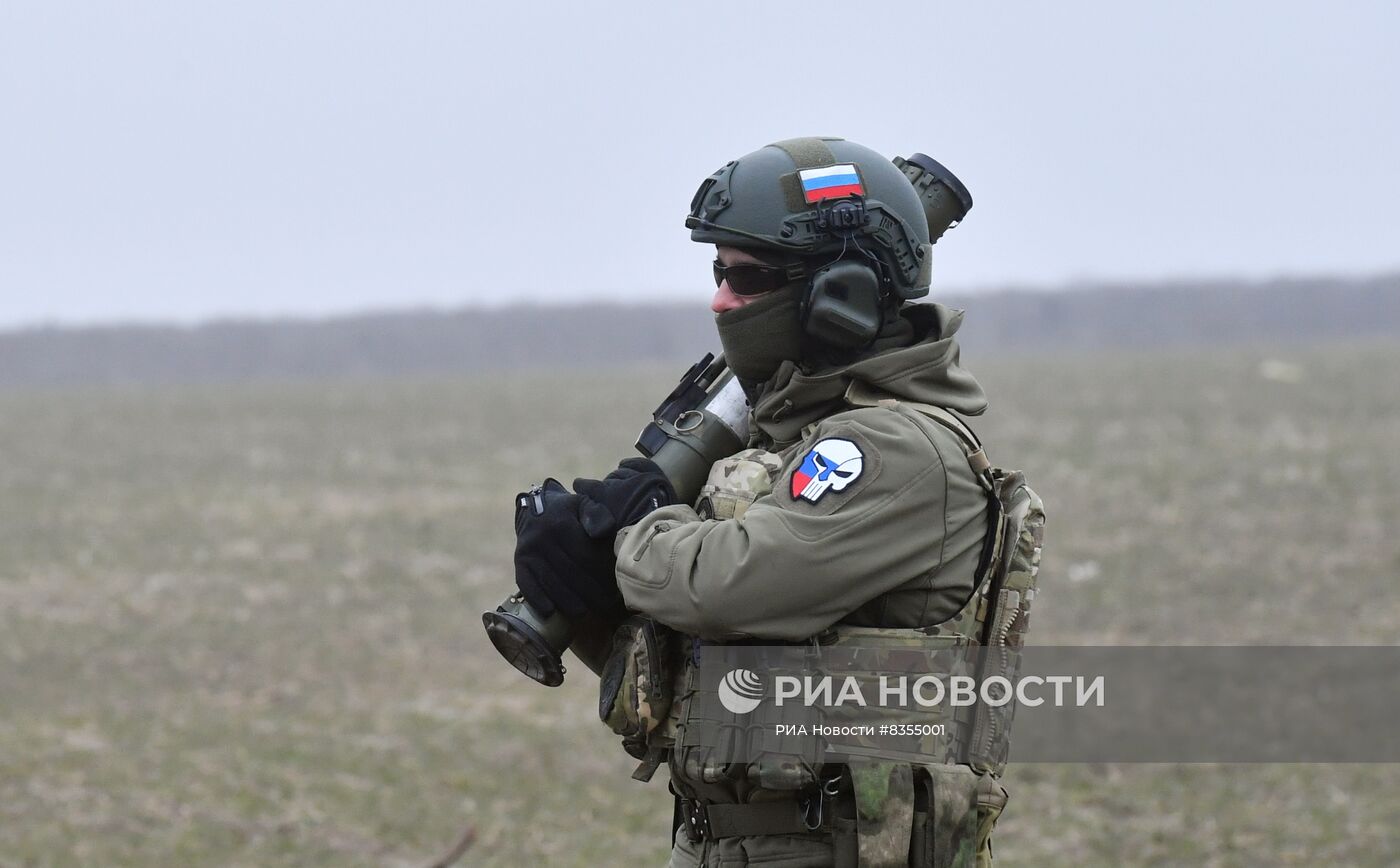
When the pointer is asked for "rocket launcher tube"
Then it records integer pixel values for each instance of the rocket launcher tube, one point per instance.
(704, 419)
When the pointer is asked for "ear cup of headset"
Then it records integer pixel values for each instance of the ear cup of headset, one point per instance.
(843, 305)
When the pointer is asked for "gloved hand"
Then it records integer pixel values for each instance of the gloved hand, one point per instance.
(623, 497)
(559, 565)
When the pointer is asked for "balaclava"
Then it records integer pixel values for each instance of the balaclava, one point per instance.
(762, 334)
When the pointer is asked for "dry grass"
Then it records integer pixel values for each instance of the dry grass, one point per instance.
(239, 626)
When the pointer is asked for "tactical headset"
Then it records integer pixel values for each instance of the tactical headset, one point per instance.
(849, 300)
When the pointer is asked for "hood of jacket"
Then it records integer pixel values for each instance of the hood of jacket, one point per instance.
(917, 361)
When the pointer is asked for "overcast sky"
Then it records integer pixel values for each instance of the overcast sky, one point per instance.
(177, 161)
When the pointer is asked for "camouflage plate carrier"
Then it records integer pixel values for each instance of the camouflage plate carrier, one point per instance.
(937, 812)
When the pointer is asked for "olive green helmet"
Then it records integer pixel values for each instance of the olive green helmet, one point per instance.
(815, 197)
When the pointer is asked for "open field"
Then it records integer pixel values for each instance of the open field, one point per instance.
(239, 625)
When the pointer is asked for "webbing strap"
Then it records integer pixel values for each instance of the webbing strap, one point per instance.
(651, 761)
(976, 455)
(860, 395)
(756, 818)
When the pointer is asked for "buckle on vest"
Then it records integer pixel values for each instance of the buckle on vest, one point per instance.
(696, 819)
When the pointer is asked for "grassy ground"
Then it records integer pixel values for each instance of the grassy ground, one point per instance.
(240, 625)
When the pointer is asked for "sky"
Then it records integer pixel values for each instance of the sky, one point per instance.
(170, 161)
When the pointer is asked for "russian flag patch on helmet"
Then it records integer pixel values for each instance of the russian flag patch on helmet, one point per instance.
(830, 182)
(831, 465)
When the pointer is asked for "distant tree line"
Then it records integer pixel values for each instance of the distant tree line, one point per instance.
(600, 335)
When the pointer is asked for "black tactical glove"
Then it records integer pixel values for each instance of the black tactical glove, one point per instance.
(623, 497)
(559, 565)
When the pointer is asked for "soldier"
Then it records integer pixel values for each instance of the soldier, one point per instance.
(861, 500)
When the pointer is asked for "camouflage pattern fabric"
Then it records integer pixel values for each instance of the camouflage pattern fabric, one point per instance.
(1015, 583)
(884, 795)
(1024, 507)
(637, 687)
(991, 801)
(952, 829)
(866, 654)
(736, 482)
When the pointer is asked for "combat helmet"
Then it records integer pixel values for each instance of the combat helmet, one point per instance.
(828, 200)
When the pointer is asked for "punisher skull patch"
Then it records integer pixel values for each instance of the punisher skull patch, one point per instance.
(831, 465)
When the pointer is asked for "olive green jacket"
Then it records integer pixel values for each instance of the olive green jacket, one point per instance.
(897, 545)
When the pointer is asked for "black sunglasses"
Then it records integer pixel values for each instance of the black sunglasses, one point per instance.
(750, 279)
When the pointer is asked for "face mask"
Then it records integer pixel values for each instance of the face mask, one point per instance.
(762, 334)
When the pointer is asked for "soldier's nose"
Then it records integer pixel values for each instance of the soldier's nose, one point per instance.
(725, 299)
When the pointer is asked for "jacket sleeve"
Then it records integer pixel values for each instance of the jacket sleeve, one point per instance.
(793, 565)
